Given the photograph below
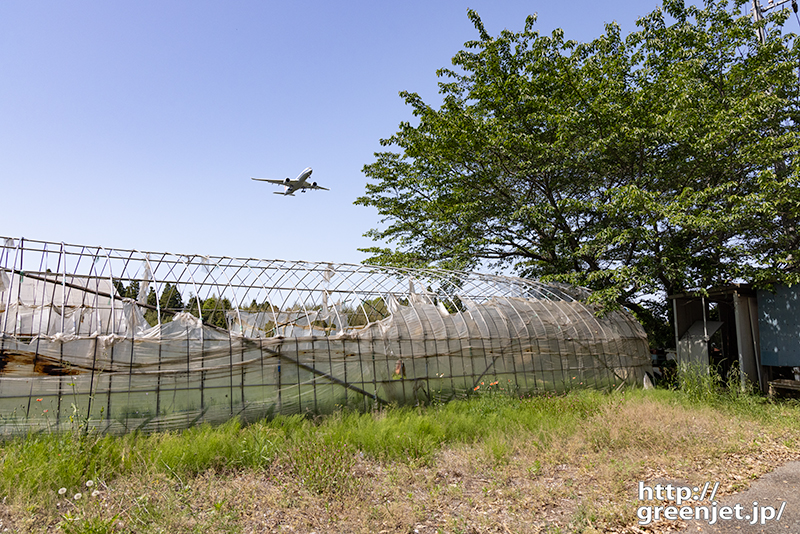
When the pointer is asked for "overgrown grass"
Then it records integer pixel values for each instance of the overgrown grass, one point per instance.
(704, 385)
(491, 432)
(36, 466)
(699, 383)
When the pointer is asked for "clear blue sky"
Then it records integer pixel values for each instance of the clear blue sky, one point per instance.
(138, 124)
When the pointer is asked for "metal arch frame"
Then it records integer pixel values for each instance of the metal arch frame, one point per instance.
(308, 282)
(306, 286)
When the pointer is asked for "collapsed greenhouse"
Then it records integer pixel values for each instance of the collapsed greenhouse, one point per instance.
(123, 340)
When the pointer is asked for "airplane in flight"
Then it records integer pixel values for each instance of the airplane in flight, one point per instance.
(290, 186)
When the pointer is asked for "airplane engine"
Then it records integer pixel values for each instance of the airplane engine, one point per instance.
(313, 184)
(287, 181)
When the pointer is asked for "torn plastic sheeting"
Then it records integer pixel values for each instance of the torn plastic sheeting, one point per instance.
(279, 337)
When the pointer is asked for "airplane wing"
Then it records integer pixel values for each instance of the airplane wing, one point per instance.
(279, 182)
(318, 187)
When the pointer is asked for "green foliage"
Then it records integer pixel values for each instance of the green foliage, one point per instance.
(368, 311)
(199, 449)
(37, 466)
(401, 434)
(169, 303)
(130, 291)
(699, 382)
(92, 525)
(265, 306)
(213, 310)
(404, 433)
(704, 384)
(221, 448)
(655, 163)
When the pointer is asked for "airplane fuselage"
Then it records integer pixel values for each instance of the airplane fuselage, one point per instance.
(299, 183)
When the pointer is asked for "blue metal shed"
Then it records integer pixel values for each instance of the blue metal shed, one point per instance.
(779, 326)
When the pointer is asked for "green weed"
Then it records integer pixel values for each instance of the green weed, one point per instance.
(699, 382)
(72, 524)
(323, 464)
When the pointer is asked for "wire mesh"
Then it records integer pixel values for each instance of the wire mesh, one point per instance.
(124, 340)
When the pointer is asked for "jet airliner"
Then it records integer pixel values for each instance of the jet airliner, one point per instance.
(290, 186)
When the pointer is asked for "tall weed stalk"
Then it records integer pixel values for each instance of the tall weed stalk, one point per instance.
(701, 383)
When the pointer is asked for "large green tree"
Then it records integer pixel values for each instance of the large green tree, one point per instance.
(647, 164)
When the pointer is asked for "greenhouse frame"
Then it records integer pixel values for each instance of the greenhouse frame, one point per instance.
(121, 340)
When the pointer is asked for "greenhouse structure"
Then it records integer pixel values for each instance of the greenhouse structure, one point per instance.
(123, 340)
